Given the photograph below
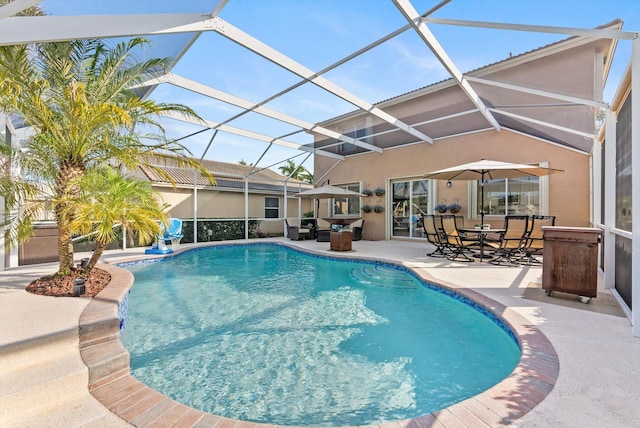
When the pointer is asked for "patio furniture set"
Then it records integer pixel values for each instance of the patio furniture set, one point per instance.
(516, 243)
(339, 231)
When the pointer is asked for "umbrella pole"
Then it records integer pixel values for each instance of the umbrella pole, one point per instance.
(482, 200)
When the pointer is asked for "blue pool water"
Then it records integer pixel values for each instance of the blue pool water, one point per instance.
(269, 334)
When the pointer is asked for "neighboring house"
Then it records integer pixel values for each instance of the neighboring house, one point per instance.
(226, 199)
(538, 107)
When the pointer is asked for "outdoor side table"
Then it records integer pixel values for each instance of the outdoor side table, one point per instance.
(570, 260)
(340, 241)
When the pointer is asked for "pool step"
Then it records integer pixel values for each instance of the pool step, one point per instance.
(44, 383)
(380, 276)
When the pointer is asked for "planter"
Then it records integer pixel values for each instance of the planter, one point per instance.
(379, 191)
(366, 208)
(454, 208)
(367, 192)
(378, 209)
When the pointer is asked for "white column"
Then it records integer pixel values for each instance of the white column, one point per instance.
(195, 206)
(609, 220)
(635, 189)
(246, 208)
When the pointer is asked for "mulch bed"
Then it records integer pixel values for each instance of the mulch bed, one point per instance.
(62, 286)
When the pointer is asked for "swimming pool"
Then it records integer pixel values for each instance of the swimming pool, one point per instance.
(316, 341)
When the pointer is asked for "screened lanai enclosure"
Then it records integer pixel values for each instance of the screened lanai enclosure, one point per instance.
(273, 80)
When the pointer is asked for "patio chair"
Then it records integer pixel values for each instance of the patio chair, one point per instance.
(172, 234)
(323, 231)
(510, 246)
(295, 231)
(356, 229)
(432, 226)
(535, 241)
(456, 243)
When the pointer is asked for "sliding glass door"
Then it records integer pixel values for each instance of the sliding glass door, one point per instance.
(410, 201)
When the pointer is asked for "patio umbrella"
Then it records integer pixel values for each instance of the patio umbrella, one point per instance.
(484, 170)
(326, 192)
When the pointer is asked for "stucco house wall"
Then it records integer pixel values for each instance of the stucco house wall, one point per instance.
(568, 191)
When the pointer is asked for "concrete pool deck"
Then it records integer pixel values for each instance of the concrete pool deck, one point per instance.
(44, 382)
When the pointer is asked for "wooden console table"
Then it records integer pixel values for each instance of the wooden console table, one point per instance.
(340, 241)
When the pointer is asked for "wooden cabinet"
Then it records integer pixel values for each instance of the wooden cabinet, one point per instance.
(570, 260)
(340, 241)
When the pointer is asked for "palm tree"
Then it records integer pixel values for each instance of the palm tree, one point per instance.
(77, 97)
(292, 170)
(109, 199)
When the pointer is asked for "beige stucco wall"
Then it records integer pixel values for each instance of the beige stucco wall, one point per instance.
(569, 192)
(226, 204)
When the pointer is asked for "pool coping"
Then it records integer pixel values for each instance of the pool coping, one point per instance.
(111, 383)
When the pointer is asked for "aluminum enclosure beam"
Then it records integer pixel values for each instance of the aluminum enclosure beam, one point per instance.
(28, 29)
(407, 10)
(249, 134)
(210, 92)
(543, 123)
(593, 33)
(254, 45)
(555, 95)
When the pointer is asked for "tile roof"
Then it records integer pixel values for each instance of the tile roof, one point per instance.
(228, 176)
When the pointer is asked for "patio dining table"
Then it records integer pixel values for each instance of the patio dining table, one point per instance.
(482, 233)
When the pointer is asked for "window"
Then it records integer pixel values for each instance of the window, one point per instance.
(271, 207)
(358, 131)
(347, 206)
(516, 196)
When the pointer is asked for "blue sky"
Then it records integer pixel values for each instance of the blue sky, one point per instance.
(317, 33)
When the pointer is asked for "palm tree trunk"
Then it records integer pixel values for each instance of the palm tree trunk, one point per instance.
(95, 257)
(65, 249)
(67, 188)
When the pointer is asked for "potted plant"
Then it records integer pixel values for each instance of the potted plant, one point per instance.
(441, 208)
(454, 208)
(366, 208)
(379, 191)
(378, 208)
(367, 192)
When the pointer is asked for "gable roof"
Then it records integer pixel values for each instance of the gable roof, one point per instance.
(519, 91)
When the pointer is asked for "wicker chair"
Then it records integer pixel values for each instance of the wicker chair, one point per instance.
(295, 231)
(323, 231)
(356, 229)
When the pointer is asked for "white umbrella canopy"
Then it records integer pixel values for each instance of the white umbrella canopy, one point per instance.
(485, 169)
(326, 192)
(490, 169)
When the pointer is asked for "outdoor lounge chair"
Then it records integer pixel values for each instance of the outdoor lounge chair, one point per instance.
(323, 231)
(432, 226)
(535, 242)
(511, 243)
(457, 244)
(295, 231)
